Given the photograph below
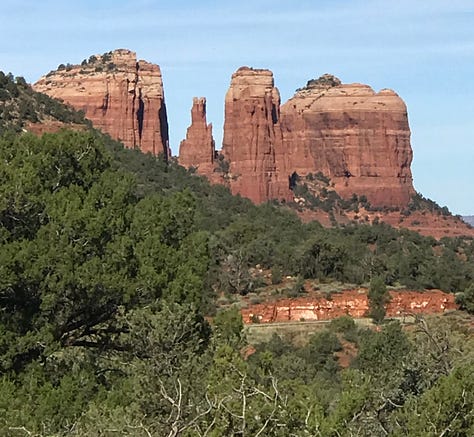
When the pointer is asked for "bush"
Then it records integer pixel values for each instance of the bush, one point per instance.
(465, 300)
(298, 286)
(378, 296)
(277, 275)
(342, 324)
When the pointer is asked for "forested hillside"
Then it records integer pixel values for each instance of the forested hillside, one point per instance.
(111, 266)
(21, 106)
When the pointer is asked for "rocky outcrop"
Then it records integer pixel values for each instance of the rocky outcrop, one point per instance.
(358, 138)
(253, 143)
(120, 95)
(350, 302)
(198, 149)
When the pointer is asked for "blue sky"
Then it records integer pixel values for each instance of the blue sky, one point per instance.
(424, 50)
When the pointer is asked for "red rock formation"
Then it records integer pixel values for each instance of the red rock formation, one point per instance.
(359, 138)
(350, 302)
(252, 137)
(198, 149)
(119, 95)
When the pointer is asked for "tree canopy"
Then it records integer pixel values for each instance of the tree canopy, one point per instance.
(110, 266)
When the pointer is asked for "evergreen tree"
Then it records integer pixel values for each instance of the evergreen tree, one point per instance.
(378, 297)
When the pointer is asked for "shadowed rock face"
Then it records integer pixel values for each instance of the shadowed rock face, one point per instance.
(253, 141)
(359, 138)
(120, 95)
(198, 150)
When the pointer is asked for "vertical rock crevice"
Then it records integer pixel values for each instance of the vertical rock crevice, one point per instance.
(140, 116)
(164, 133)
(253, 138)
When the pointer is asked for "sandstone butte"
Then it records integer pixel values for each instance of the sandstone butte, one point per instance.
(253, 142)
(120, 95)
(359, 138)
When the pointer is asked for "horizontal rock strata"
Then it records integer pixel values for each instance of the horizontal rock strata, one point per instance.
(120, 95)
(355, 136)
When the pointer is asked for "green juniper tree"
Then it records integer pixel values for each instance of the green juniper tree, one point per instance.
(378, 297)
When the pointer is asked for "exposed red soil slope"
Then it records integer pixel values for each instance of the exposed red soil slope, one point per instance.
(424, 222)
(429, 224)
(52, 126)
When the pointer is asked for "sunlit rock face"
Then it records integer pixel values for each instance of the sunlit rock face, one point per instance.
(358, 138)
(351, 302)
(121, 95)
(253, 143)
(198, 149)
(355, 136)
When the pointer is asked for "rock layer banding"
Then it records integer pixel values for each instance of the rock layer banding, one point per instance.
(120, 95)
(358, 138)
(253, 141)
(354, 303)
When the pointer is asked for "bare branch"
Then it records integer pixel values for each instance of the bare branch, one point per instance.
(141, 426)
(20, 428)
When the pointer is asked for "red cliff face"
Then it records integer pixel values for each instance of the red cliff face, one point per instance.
(198, 149)
(359, 138)
(120, 95)
(252, 143)
(350, 302)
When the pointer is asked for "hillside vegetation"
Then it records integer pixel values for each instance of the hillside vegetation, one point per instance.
(20, 105)
(109, 261)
